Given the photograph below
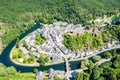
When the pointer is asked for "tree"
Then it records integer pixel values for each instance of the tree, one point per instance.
(20, 54)
(96, 58)
(86, 76)
(95, 74)
(43, 20)
(65, 79)
(35, 70)
(11, 70)
(101, 78)
(84, 63)
(25, 60)
(117, 71)
(31, 59)
(17, 43)
(57, 78)
(116, 61)
(79, 76)
(46, 59)
(25, 44)
(106, 65)
(116, 64)
(114, 52)
(107, 55)
(90, 68)
(39, 39)
(109, 73)
(15, 56)
(41, 61)
(46, 78)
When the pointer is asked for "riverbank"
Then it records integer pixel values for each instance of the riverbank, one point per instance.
(15, 62)
(48, 64)
(36, 64)
(102, 51)
(97, 63)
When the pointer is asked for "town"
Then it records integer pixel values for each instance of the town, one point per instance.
(51, 46)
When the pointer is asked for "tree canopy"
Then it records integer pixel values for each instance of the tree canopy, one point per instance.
(18, 16)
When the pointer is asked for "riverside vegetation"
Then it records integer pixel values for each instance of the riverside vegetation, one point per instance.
(106, 71)
(10, 73)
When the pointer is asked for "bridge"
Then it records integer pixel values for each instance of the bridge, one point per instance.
(67, 68)
(65, 58)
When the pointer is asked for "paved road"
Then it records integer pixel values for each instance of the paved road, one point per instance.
(65, 57)
(66, 62)
(115, 47)
(98, 63)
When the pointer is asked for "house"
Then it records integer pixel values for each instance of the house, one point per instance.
(59, 73)
(82, 54)
(35, 54)
(69, 51)
(63, 49)
(33, 49)
(89, 52)
(55, 57)
(40, 75)
(50, 72)
(53, 73)
(21, 60)
(24, 50)
(95, 31)
(115, 42)
(109, 45)
(60, 23)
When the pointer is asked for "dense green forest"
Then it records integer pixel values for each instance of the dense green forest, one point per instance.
(10, 73)
(106, 71)
(17, 16)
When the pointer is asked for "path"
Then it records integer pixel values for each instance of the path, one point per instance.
(98, 63)
(108, 49)
(65, 58)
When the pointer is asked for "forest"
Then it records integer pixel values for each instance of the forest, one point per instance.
(10, 73)
(18, 16)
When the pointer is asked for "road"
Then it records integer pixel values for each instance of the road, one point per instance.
(65, 58)
(115, 47)
(98, 63)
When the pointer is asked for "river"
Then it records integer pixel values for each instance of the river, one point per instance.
(5, 59)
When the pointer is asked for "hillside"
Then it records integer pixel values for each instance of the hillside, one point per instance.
(10, 73)
(18, 16)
